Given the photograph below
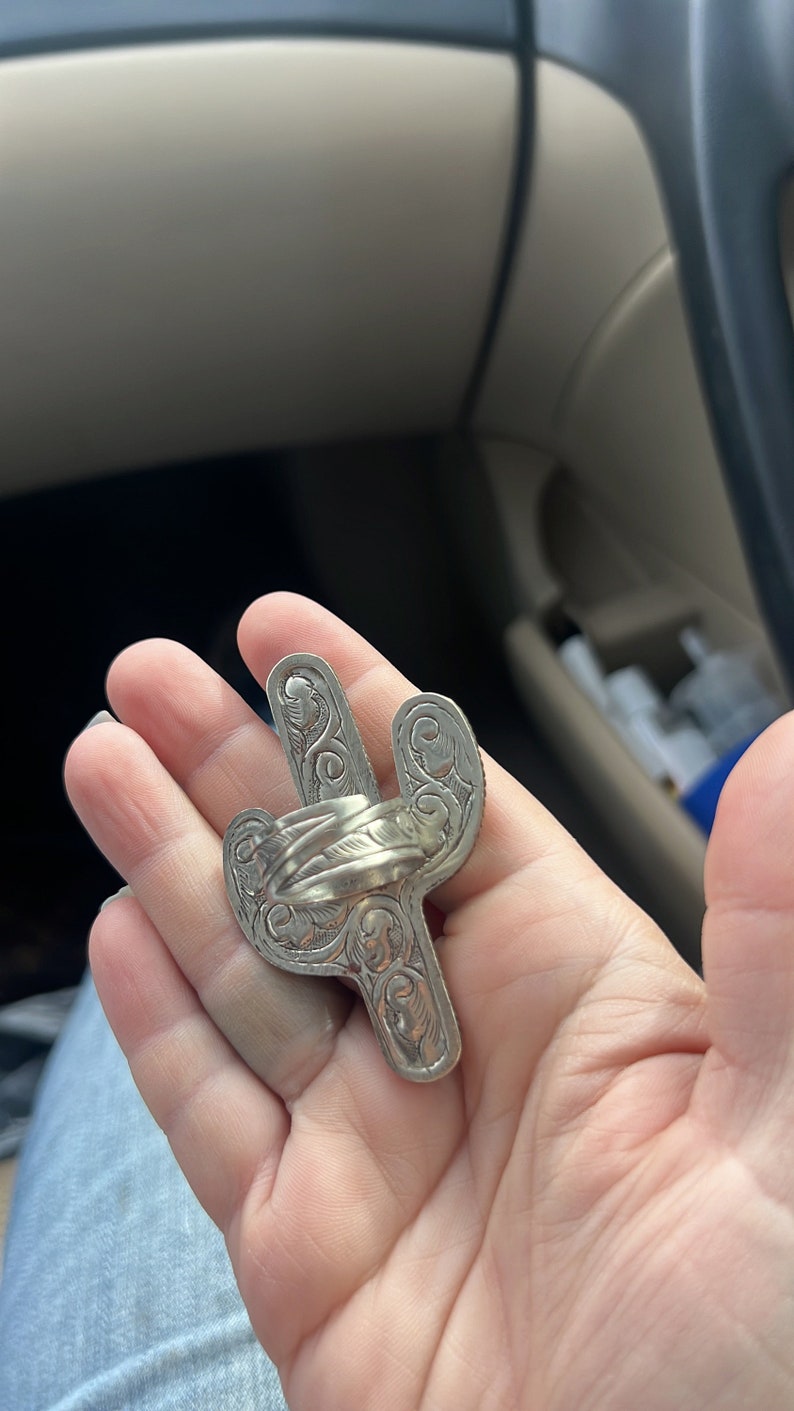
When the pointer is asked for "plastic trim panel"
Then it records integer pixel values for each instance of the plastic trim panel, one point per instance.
(710, 86)
(51, 25)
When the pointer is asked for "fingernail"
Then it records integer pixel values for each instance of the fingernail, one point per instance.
(122, 892)
(102, 717)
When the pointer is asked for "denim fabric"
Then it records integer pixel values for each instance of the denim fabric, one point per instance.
(117, 1291)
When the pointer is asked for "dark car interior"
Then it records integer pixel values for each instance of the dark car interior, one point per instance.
(479, 305)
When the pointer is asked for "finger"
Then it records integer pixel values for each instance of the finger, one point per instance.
(748, 945)
(283, 1026)
(225, 1128)
(221, 753)
(284, 622)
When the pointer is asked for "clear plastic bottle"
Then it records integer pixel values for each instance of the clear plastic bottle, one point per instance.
(724, 693)
(674, 745)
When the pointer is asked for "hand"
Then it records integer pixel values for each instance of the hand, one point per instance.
(593, 1211)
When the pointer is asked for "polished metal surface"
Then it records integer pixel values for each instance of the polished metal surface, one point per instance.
(336, 887)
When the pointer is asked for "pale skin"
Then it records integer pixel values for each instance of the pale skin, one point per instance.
(595, 1210)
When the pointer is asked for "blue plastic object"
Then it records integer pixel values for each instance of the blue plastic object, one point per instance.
(701, 800)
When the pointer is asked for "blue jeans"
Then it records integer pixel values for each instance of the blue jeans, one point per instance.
(117, 1294)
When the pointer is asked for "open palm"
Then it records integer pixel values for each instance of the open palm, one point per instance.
(593, 1211)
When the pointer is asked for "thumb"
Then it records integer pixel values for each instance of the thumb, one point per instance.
(748, 932)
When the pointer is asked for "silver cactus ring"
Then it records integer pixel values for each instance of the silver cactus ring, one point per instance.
(336, 887)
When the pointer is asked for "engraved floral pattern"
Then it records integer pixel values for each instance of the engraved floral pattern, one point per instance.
(336, 887)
